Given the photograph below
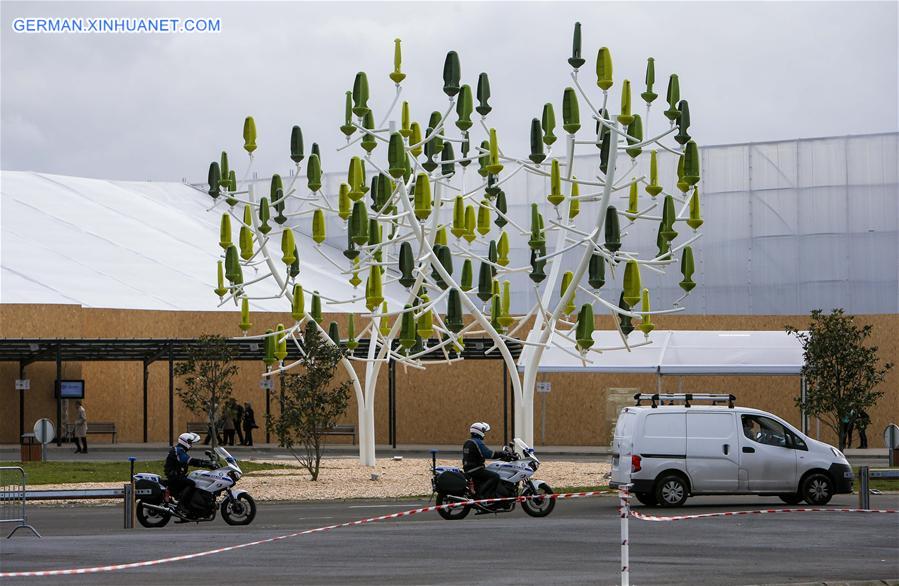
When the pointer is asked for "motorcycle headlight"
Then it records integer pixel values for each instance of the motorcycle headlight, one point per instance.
(234, 475)
(533, 465)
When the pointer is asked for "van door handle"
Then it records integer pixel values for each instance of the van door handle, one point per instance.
(748, 450)
(726, 448)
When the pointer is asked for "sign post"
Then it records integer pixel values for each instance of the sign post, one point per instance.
(44, 432)
(544, 388)
(891, 440)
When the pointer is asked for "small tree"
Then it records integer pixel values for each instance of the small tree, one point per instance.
(206, 376)
(842, 372)
(311, 405)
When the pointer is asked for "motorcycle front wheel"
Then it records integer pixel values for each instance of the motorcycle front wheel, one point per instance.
(240, 510)
(453, 513)
(539, 507)
(151, 518)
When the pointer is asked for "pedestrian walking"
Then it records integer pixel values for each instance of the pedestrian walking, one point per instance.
(249, 423)
(80, 431)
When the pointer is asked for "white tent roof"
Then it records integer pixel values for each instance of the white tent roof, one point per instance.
(680, 352)
(135, 245)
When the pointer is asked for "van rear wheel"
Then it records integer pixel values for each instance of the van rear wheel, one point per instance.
(671, 490)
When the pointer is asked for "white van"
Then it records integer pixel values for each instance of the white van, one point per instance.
(678, 450)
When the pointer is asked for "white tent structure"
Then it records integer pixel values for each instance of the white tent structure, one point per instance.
(134, 245)
(681, 353)
(690, 352)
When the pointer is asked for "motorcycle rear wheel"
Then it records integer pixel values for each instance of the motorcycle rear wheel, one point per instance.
(539, 507)
(151, 518)
(454, 513)
(239, 511)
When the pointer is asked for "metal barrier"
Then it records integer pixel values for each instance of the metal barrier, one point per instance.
(864, 474)
(12, 498)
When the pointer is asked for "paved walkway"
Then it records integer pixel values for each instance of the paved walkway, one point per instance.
(111, 452)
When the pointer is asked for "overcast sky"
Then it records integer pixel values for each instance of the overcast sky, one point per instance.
(137, 106)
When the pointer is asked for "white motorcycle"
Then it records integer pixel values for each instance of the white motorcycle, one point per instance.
(156, 505)
(452, 485)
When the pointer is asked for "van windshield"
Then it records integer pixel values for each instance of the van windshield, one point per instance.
(625, 425)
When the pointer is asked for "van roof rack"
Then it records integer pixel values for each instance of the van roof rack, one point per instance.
(658, 399)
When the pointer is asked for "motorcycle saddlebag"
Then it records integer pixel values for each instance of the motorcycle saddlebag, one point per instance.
(149, 491)
(451, 482)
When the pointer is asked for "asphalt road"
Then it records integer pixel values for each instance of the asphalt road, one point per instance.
(577, 544)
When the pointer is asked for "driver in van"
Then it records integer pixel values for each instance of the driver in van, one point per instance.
(474, 454)
(176, 465)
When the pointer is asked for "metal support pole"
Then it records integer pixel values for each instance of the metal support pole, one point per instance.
(128, 508)
(624, 513)
(803, 396)
(505, 404)
(131, 502)
(268, 414)
(146, 380)
(891, 447)
(21, 403)
(864, 495)
(171, 395)
(512, 405)
(391, 391)
(59, 429)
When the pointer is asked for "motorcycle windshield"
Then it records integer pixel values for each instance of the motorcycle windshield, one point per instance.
(224, 455)
(525, 450)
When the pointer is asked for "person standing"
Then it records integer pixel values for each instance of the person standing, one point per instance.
(80, 431)
(228, 425)
(249, 423)
(861, 423)
(238, 422)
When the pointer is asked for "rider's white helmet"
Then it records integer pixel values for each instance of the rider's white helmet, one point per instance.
(186, 440)
(479, 429)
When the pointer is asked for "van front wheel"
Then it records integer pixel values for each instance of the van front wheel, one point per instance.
(790, 498)
(817, 489)
(671, 490)
(647, 498)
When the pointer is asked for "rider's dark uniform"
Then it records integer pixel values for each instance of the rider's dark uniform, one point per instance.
(474, 453)
(176, 465)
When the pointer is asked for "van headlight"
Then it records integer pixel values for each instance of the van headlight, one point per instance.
(837, 452)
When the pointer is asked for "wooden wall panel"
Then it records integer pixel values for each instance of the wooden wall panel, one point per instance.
(434, 406)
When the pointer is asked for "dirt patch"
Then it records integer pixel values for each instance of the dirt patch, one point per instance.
(347, 479)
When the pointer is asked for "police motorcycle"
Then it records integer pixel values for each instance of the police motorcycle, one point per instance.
(156, 505)
(452, 485)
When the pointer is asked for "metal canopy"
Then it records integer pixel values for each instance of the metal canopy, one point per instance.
(146, 351)
(27, 351)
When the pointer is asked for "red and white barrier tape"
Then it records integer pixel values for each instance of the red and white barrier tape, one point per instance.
(144, 564)
(642, 517)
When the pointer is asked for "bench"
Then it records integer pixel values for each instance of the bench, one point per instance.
(104, 427)
(197, 427)
(342, 429)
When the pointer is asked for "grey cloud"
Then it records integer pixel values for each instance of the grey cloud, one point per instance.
(162, 106)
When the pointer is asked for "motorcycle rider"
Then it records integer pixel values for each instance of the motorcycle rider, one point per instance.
(176, 465)
(474, 454)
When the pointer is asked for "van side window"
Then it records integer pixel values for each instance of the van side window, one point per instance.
(764, 431)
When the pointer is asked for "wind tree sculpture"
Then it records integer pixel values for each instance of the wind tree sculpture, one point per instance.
(411, 217)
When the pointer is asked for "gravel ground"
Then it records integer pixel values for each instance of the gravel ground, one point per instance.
(346, 478)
